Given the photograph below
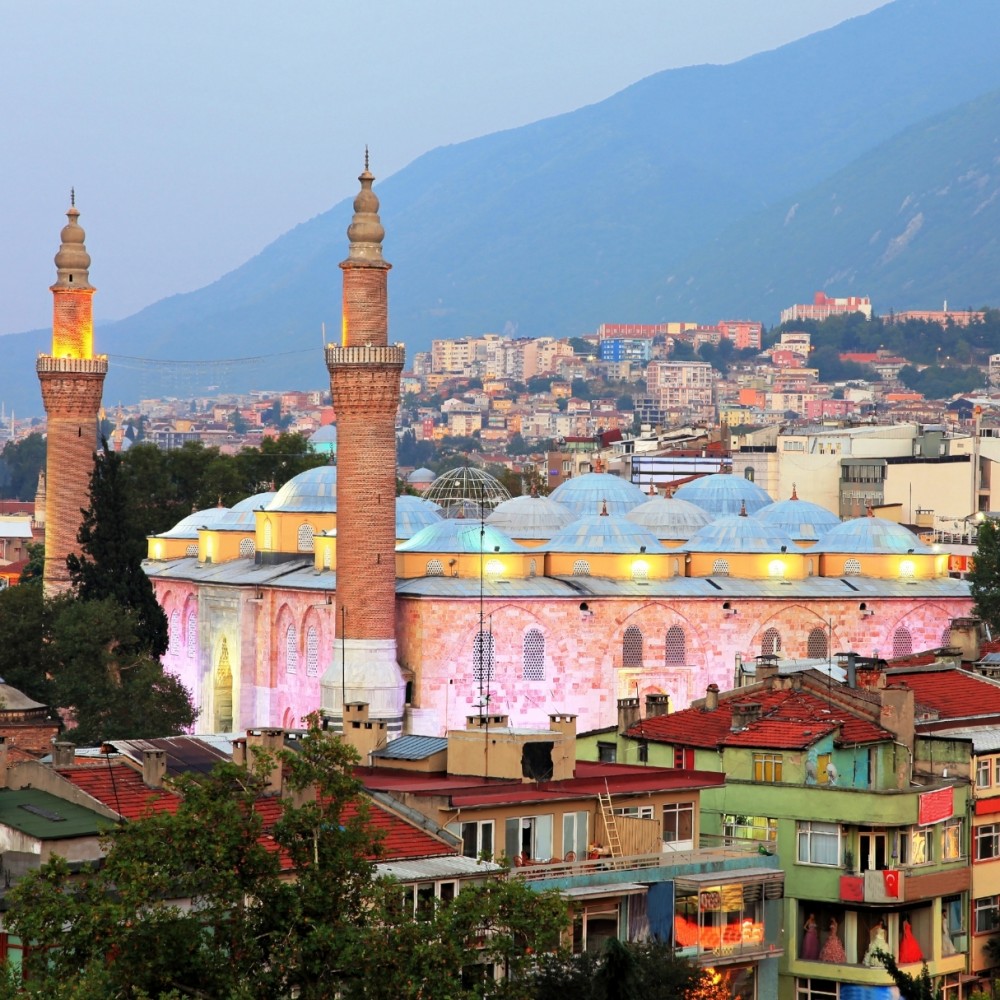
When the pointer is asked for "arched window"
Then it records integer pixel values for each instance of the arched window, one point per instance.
(175, 631)
(907, 571)
(581, 568)
(327, 557)
(720, 567)
(632, 647)
(192, 632)
(771, 643)
(852, 567)
(482, 658)
(534, 655)
(191, 550)
(816, 648)
(268, 536)
(946, 637)
(640, 570)
(532, 567)
(435, 567)
(247, 548)
(748, 473)
(676, 647)
(809, 567)
(902, 642)
(304, 538)
(312, 652)
(291, 650)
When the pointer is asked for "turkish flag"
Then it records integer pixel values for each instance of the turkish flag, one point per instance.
(891, 879)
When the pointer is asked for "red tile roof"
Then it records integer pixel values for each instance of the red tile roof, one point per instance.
(591, 778)
(950, 692)
(787, 719)
(120, 787)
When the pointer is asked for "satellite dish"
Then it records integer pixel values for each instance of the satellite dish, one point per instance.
(831, 774)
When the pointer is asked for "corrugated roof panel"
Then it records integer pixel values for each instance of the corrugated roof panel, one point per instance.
(412, 748)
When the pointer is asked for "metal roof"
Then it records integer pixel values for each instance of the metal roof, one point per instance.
(668, 517)
(412, 748)
(604, 533)
(313, 491)
(724, 493)
(802, 520)
(47, 817)
(187, 527)
(984, 740)
(587, 493)
(870, 536)
(530, 517)
(414, 513)
(183, 753)
(428, 869)
(738, 534)
(460, 535)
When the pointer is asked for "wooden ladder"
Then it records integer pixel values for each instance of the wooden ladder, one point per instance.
(610, 824)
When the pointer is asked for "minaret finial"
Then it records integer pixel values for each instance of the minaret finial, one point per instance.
(366, 156)
(743, 508)
(72, 197)
(795, 493)
(604, 508)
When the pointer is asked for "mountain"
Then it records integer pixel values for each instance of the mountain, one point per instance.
(626, 210)
(913, 223)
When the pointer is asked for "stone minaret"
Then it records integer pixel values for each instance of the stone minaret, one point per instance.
(72, 378)
(365, 381)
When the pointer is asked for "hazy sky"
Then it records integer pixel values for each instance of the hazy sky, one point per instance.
(197, 131)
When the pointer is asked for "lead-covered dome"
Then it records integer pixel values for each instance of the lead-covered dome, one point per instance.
(459, 535)
(736, 533)
(530, 517)
(723, 493)
(871, 536)
(669, 518)
(241, 516)
(804, 521)
(599, 533)
(586, 495)
(313, 491)
(187, 527)
(413, 514)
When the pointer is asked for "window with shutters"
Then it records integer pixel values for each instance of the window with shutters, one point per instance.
(632, 647)
(312, 652)
(304, 538)
(816, 646)
(771, 643)
(902, 642)
(482, 658)
(676, 647)
(534, 655)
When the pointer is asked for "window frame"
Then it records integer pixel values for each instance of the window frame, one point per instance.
(981, 906)
(809, 832)
(678, 810)
(767, 767)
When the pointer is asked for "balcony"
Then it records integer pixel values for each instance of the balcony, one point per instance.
(902, 885)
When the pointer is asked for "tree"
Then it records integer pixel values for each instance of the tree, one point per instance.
(22, 641)
(113, 548)
(984, 577)
(250, 931)
(917, 987)
(33, 570)
(20, 463)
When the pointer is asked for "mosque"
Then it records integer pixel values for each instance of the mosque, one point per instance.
(460, 601)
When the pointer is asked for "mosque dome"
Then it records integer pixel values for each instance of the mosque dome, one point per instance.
(530, 517)
(723, 493)
(466, 492)
(241, 516)
(414, 513)
(460, 535)
(313, 491)
(742, 534)
(421, 475)
(187, 527)
(256, 502)
(870, 536)
(585, 495)
(802, 520)
(597, 533)
(668, 517)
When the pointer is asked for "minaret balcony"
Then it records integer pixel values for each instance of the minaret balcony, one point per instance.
(72, 366)
(365, 355)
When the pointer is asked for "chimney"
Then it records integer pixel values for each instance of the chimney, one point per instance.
(628, 713)
(657, 705)
(268, 741)
(966, 635)
(361, 732)
(63, 754)
(767, 667)
(897, 712)
(712, 697)
(744, 712)
(484, 721)
(240, 751)
(565, 724)
(154, 767)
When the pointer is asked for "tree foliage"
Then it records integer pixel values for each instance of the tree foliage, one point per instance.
(984, 577)
(20, 463)
(249, 930)
(113, 546)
